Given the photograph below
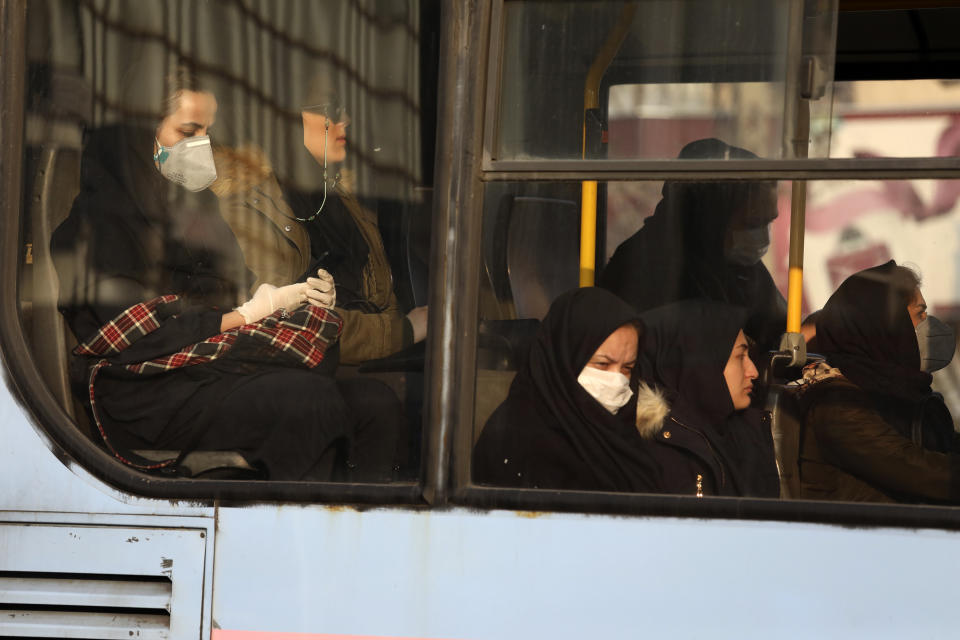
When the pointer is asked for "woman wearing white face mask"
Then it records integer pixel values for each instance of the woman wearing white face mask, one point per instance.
(145, 254)
(701, 429)
(873, 429)
(568, 419)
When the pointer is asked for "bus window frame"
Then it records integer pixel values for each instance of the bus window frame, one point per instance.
(466, 493)
(22, 377)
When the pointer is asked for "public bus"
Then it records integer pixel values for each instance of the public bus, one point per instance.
(508, 147)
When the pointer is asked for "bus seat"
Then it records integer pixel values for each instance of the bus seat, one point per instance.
(786, 425)
(492, 389)
(56, 184)
(538, 248)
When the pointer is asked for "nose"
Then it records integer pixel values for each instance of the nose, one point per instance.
(750, 370)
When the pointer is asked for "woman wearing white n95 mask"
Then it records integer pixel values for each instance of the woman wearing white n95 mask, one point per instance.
(568, 421)
(150, 277)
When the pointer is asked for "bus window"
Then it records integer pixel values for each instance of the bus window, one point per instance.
(259, 191)
(638, 80)
(530, 254)
(896, 118)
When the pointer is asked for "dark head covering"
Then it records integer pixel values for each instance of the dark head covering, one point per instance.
(687, 347)
(865, 330)
(686, 351)
(552, 432)
(679, 253)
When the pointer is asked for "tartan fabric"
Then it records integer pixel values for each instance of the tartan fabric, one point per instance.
(303, 335)
(122, 331)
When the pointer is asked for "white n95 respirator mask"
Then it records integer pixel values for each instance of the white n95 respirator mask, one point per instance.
(189, 163)
(609, 388)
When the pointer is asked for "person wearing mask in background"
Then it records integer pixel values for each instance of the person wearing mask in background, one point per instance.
(705, 241)
(301, 231)
(702, 431)
(567, 422)
(150, 280)
(873, 429)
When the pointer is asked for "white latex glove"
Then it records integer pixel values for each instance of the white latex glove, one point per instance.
(322, 292)
(268, 298)
(418, 320)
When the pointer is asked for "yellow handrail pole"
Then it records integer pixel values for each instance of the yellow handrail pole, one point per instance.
(798, 215)
(588, 188)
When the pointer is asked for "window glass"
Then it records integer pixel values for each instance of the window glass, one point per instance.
(545, 418)
(248, 188)
(635, 80)
(896, 118)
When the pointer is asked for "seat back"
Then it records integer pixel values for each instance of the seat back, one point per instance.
(55, 186)
(543, 252)
(786, 425)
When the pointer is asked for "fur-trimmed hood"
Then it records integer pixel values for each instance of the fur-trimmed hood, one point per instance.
(652, 410)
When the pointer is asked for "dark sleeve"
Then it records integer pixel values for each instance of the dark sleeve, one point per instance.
(854, 437)
(99, 279)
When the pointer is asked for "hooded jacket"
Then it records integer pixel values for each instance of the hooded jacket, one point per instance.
(703, 445)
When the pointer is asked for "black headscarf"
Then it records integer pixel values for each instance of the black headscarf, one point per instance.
(865, 331)
(549, 429)
(686, 351)
(679, 254)
(687, 347)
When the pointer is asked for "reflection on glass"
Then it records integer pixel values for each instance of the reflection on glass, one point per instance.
(882, 337)
(640, 80)
(162, 212)
(896, 118)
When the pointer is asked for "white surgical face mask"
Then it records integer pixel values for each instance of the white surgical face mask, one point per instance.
(748, 246)
(189, 163)
(937, 344)
(609, 388)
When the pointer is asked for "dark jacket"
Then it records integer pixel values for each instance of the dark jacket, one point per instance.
(703, 445)
(859, 440)
(679, 252)
(550, 433)
(857, 446)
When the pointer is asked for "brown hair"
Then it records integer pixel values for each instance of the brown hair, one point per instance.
(181, 79)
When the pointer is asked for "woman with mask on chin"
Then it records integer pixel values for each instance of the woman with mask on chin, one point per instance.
(567, 422)
(873, 429)
(150, 281)
(705, 241)
(700, 427)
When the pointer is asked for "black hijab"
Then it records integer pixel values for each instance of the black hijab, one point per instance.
(865, 331)
(687, 347)
(686, 351)
(679, 253)
(549, 429)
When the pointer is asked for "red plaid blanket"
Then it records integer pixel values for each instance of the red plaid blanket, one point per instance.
(303, 335)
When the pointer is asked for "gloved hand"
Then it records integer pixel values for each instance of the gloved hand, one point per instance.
(268, 298)
(322, 292)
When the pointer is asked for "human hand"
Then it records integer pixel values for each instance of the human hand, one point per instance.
(322, 292)
(268, 298)
(418, 320)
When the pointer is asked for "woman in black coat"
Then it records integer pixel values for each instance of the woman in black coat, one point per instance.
(551, 432)
(873, 428)
(701, 429)
(705, 241)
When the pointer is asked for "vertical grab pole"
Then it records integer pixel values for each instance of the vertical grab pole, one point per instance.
(591, 100)
(796, 141)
